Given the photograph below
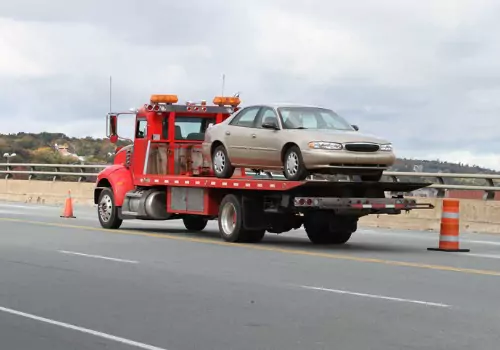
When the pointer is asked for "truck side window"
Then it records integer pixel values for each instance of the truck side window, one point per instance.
(141, 129)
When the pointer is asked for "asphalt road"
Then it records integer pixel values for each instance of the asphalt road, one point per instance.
(67, 284)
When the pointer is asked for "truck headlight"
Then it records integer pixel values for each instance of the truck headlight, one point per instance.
(325, 145)
(386, 147)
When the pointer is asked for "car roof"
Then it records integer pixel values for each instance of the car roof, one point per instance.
(284, 105)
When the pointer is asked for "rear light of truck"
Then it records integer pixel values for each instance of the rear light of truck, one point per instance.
(305, 202)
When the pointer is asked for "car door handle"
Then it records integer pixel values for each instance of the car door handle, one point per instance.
(254, 136)
(228, 133)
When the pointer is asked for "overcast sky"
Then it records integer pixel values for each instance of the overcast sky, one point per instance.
(425, 74)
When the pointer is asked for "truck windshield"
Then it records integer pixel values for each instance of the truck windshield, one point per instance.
(312, 118)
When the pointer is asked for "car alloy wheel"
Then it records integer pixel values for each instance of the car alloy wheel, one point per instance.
(294, 168)
(219, 161)
(221, 164)
(292, 163)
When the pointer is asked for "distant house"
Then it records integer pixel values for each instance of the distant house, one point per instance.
(64, 151)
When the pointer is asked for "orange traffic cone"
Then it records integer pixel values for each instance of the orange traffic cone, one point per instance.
(450, 227)
(68, 208)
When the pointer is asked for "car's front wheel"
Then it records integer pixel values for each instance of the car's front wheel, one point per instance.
(221, 164)
(293, 165)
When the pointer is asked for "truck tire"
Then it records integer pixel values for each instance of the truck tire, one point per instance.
(107, 211)
(194, 222)
(231, 222)
(293, 165)
(256, 236)
(221, 164)
(318, 226)
(374, 177)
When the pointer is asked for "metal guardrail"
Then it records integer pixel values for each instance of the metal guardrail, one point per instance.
(82, 172)
(78, 170)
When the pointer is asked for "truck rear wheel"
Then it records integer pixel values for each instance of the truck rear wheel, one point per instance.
(194, 223)
(322, 229)
(231, 222)
(107, 212)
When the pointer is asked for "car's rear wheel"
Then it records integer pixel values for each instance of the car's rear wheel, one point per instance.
(221, 164)
(293, 165)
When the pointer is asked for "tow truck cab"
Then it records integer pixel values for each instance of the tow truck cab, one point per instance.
(168, 136)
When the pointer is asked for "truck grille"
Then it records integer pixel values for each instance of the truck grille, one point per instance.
(362, 147)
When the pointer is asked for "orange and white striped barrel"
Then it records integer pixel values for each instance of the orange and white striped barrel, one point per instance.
(450, 227)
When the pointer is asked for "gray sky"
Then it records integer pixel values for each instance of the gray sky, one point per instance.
(425, 74)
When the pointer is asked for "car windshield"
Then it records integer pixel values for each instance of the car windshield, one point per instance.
(312, 118)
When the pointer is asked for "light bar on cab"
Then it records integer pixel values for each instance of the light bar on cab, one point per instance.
(226, 101)
(164, 99)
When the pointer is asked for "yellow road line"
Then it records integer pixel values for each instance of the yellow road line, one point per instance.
(263, 247)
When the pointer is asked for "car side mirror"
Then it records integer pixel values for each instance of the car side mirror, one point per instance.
(270, 125)
(355, 127)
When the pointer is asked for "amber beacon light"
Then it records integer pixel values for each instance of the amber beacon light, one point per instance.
(164, 99)
(226, 101)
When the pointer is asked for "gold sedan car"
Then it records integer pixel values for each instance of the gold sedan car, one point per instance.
(299, 140)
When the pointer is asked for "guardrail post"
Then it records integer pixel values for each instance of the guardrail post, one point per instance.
(57, 170)
(81, 178)
(31, 176)
(441, 192)
(394, 178)
(489, 195)
(8, 175)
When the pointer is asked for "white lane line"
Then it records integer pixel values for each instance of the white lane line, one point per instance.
(9, 212)
(81, 329)
(99, 257)
(488, 256)
(19, 206)
(428, 237)
(480, 242)
(376, 296)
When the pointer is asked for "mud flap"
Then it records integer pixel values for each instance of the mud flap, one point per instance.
(253, 213)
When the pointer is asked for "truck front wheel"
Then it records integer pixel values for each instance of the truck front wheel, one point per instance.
(107, 211)
(231, 222)
(321, 228)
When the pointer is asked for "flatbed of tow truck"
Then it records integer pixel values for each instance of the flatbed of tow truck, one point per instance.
(247, 207)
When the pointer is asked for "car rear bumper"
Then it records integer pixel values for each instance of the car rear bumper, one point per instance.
(324, 159)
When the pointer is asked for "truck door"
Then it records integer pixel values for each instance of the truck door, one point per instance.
(140, 146)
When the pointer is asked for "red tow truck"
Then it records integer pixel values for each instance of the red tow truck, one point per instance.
(162, 175)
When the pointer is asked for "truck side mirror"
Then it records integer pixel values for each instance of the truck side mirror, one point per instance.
(113, 128)
(355, 127)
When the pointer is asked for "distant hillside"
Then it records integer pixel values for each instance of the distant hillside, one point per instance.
(51, 148)
(58, 148)
(436, 166)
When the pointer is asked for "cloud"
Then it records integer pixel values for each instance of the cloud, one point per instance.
(424, 74)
